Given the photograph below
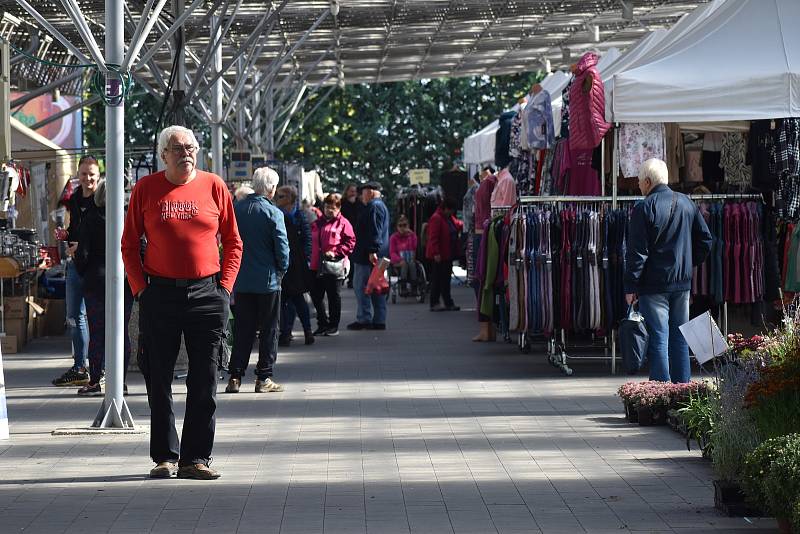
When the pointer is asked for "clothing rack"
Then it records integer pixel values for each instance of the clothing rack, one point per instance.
(557, 345)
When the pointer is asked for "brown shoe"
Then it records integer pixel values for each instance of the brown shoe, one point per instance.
(198, 472)
(164, 470)
(268, 386)
(233, 385)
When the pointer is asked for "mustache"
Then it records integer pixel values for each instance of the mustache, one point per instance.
(186, 159)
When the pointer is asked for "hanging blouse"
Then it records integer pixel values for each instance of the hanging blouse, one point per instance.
(505, 192)
(732, 158)
(538, 121)
(516, 138)
(639, 142)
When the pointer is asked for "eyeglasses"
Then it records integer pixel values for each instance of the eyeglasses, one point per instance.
(180, 149)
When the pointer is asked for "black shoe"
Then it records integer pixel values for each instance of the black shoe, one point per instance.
(437, 308)
(309, 337)
(332, 331)
(73, 377)
(358, 326)
(320, 331)
(377, 326)
(91, 390)
(284, 341)
(452, 307)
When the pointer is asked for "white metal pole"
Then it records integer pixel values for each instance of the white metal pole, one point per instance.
(114, 412)
(270, 125)
(216, 105)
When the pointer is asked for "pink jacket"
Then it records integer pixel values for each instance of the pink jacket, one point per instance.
(401, 243)
(587, 121)
(505, 192)
(331, 235)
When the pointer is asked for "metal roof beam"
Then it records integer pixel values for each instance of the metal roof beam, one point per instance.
(142, 31)
(30, 95)
(267, 19)
(177, 25)
(432, 39)
(75, 13)
(322, 99)
(53, 31)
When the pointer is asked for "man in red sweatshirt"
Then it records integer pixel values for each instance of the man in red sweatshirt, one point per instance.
(182, 291)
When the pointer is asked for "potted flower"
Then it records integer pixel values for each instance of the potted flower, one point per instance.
(652, 403)
(771, 477)
(628, 392)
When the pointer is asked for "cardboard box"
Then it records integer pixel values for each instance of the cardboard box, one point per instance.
(17, 328)
(8, 344)
(15, 307)
(36, 312)
(53, 320)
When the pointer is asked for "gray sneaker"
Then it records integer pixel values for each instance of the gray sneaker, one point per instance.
(268, 386)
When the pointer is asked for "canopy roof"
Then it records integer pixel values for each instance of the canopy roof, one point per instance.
(739, 60)
(381, 40)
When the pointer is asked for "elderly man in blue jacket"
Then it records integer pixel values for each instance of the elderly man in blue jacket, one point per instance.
(372, 243)
(257, 291)
(667, 236)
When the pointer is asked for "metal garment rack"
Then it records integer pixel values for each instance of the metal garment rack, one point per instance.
(556, 351)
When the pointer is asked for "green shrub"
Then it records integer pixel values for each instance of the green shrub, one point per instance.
(771, 475)
(699, 415)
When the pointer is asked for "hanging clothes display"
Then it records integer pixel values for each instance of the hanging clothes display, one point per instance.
(587, 100)
(503, 139)
(504, 193)
(639, 142)
(733, 150)
(674, 151)
(759, 153)
(537, 122)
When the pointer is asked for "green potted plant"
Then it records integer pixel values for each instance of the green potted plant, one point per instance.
(771, 477)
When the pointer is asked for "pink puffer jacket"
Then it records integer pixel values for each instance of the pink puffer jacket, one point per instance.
(587, 123)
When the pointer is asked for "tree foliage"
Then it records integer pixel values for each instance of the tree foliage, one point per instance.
(361, 132)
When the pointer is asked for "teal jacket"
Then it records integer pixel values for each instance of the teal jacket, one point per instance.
(265, 255)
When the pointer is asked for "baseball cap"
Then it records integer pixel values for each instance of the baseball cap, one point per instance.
(375, 186)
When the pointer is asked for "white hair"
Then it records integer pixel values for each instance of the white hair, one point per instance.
(265, 180)
(242, 191)
(169, 132)
(656, 170)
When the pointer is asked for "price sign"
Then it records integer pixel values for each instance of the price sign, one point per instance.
(419, 176)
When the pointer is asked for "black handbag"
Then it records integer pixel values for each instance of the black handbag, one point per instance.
(633, 340)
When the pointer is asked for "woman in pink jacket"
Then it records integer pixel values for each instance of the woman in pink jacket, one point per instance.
(403, 251)
(332, 242)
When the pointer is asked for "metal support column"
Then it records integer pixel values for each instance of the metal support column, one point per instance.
(269, 133)
(179, 91)
(216, 105)
(114, 412)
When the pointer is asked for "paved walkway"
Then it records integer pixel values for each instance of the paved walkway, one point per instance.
(415, 429)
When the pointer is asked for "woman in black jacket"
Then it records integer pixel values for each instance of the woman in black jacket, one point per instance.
(90, 262)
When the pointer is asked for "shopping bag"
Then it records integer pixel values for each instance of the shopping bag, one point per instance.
(377, 283)
(633, 340)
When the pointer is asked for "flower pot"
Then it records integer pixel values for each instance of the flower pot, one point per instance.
(730, 500)
(630, 412)
(659, 415)
(644, 415)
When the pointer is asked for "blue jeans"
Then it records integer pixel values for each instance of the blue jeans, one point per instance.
(291, 307)
(76, 316)
(371, 309)
(667, 350)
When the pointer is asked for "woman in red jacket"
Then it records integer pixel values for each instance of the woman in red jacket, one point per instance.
(441, 249)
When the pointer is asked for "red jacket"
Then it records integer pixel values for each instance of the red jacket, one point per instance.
(587, 111)
(439, 236)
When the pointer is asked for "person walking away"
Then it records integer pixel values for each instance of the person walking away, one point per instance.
(332, 242)
(351, 207)
(667, 236)
(257, 291)
(482, 216)
(372, 243)
(440, 249)
(403, 252)
(80, 203)
(183, 290)
(298, 278)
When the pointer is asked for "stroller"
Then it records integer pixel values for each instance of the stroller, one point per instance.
(417, 289)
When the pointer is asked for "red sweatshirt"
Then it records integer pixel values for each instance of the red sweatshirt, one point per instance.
(181, 224)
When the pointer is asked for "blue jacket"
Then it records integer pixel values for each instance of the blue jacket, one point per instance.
(265, 255)
(660, 256)
(372, 232)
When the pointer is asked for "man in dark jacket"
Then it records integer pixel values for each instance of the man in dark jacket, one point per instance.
(441, 248)
(257, 291)
(372, 243)
(667, 236)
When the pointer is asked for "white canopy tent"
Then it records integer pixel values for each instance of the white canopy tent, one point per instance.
(739, 60)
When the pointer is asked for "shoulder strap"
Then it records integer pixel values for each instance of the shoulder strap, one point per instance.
(669, 220)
